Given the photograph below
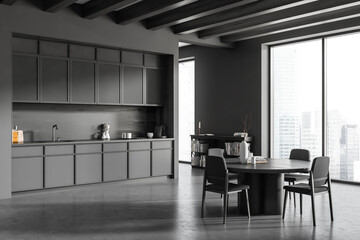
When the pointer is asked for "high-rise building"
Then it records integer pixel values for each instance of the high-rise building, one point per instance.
(349, 151)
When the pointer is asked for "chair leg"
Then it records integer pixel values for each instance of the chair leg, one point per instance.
(294, 196)
(313, 208)
(247, 203)
(225, 208)
(331, 208)
(290, 194)
(203, 203)
(285, 197)
(301, 204)
(227, 204)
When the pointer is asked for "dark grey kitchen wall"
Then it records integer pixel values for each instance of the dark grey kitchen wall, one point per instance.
(25, 17)
(77, 122)
(224, 91)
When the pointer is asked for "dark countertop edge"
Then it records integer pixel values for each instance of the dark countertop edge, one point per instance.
(72, 142)
(221, 137)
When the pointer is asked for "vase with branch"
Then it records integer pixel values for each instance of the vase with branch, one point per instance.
(247, 124)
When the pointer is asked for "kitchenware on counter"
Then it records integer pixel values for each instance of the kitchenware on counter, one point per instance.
(158, 132)
(150, 135)
(126, 135)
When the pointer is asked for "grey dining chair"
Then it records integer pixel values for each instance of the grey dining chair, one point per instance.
(319, 183)
(219, 152)
(291, 178)
(216, 179)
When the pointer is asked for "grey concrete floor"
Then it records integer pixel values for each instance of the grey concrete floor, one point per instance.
(166, 209)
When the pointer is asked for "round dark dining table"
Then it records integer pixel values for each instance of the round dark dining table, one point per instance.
(266, 182)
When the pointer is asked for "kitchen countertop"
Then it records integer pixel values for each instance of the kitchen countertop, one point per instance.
(67, 142)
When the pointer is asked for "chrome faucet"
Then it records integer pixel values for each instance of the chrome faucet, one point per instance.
(54, 129)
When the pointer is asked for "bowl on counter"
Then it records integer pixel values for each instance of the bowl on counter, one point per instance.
(150, 135)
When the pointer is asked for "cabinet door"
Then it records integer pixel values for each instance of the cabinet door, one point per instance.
(132, 58)
(115, 166)
(109, 83)
(139, 164)
(25, 78)
(82, 82)
(26, 174)
(154, 86)
(59, 171)
(133, 85)
(161, 162)
(54, 82)
(88, 168)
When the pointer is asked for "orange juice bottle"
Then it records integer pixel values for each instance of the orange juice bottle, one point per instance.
(15, 136)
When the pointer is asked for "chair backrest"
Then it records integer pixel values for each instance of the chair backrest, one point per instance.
(216, 152)
(215, 170)
(300, 154)
(320, 170)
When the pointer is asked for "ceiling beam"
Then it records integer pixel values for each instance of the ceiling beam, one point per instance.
(96, 8)
(56, 5)
(7, 2)
(305, 22)
(299, 12)
(192, 11)
(147, 9)
(255, 9)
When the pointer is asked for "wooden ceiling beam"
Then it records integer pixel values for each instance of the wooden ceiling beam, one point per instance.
(255, 9)
(305, 22)
(192, 11)
(7, 2)
(147, 9)
(285, 15)
(96, 8)
(56, 5)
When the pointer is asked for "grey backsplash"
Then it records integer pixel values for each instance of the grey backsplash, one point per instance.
(78, 122)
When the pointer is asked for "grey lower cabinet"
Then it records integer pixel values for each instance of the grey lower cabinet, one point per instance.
(88, 168)
(161, 162)
(115, 166)
(26, 174)
(27, 168)
(139, 164)
(59, 166)
(59, 171)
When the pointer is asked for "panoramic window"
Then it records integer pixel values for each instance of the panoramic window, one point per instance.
(297, 98)
(298, 101)
(186, 108)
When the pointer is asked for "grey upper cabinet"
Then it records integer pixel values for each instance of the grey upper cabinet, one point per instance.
(25, 78)
(54, 81)
(24, 45)
(82, 52)
(82, 82)
(109, 83)
(108, 55)
(133, 85)
(132, 58)
(54, 49)
(154, 86)
(151, 60)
